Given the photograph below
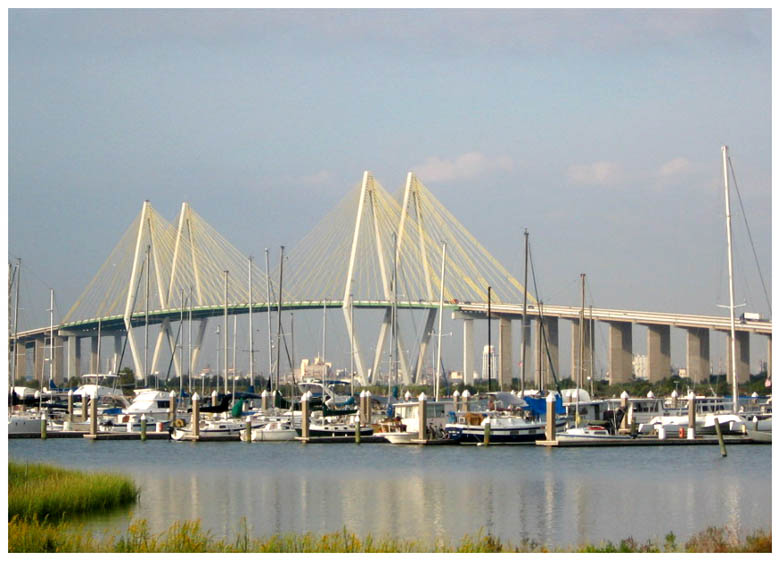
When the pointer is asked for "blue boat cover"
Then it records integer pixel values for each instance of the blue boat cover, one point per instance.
(538, 405)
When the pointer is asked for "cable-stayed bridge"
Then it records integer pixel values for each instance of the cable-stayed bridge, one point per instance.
(374, 250)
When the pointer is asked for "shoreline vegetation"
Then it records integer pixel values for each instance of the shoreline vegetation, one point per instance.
(44, 502)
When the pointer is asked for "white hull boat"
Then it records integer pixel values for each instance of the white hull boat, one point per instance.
(590, 433)
(24, 424)
(400, 437)
(272, 432)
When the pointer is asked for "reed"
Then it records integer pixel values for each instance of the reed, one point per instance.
(33, 536)
(47, 493)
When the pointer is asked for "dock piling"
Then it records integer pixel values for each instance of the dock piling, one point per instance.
(691, 416)
(43, 426)
(93, 416)
(70, 406)
(549, 428)
(721, 443)
(422, 418)
(305, 416)
(196, 416)
(143, 427)
(172, 406)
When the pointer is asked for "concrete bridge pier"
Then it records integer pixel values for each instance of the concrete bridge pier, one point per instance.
(659, 358)
(74, 356)
(39, 354)
(743, 356)
(468, 350)
(543, 373)
(117, 353)
(59, 360)
(94, 359)
(504, 353)
(769, 357)
(620, 352)
(698, 354)
(575, 351)
(20, 369)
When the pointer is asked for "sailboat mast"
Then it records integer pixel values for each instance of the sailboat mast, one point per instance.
(225, 336)
(268, 313)
(490, 346)
(441, 314)
(16, 320)
(734, 388)
(525, 325)
(51, 336)
(251, 333)
(279, 319)
(324, 326)
(189, 340)
(582, 354)
(351, 348)
(235, 341)
(146, 322)
(181, 344)
(394, 353)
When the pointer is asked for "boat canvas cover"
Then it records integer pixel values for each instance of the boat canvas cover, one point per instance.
(538, 405)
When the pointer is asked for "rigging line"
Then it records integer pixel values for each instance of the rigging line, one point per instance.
(541, 324)
(750, 236)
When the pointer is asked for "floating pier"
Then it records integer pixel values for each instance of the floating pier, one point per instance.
(648, 441)
(364, 439)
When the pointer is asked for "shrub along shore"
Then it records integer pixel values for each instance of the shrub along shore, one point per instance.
(42, 499)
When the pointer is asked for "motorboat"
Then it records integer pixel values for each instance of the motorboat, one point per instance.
(403, 426)
(26, 423)
(591, 433)
(504, 428)
(103, 389)
(275, 431)
(340, 426)
(211, 428)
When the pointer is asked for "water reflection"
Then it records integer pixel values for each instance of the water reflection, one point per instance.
(564, 497)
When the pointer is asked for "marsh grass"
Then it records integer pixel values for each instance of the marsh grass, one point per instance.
(45, 492)
(188, 537)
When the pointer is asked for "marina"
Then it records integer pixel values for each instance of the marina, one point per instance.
(478, 277)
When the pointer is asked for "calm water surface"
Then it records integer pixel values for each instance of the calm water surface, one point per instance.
(555, 497)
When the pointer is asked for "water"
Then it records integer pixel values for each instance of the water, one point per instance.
(556, 497)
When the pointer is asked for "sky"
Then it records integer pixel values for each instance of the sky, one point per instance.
(598, 131)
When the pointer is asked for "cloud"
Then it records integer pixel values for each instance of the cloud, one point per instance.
(465, 166)
(674, 167)
(596, 173)
(319, 178)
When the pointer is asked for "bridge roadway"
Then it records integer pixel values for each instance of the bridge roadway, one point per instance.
(510, 311)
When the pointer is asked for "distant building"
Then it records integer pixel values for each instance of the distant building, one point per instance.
(488, 353)
(639, 367)
(317, 368)
(456, 377)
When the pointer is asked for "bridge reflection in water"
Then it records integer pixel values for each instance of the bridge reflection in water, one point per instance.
(554, 497)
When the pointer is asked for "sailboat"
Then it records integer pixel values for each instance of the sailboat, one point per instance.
(751, 427)
(589, 432)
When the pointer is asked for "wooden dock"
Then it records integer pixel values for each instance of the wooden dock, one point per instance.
(648, 441)
(151, 435)
(365, 439)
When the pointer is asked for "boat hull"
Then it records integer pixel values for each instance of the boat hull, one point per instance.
(468, 434)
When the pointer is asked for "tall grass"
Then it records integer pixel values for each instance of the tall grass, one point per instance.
(188, 537)
(45, 492)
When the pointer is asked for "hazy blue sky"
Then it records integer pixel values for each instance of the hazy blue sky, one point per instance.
(599, 131)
